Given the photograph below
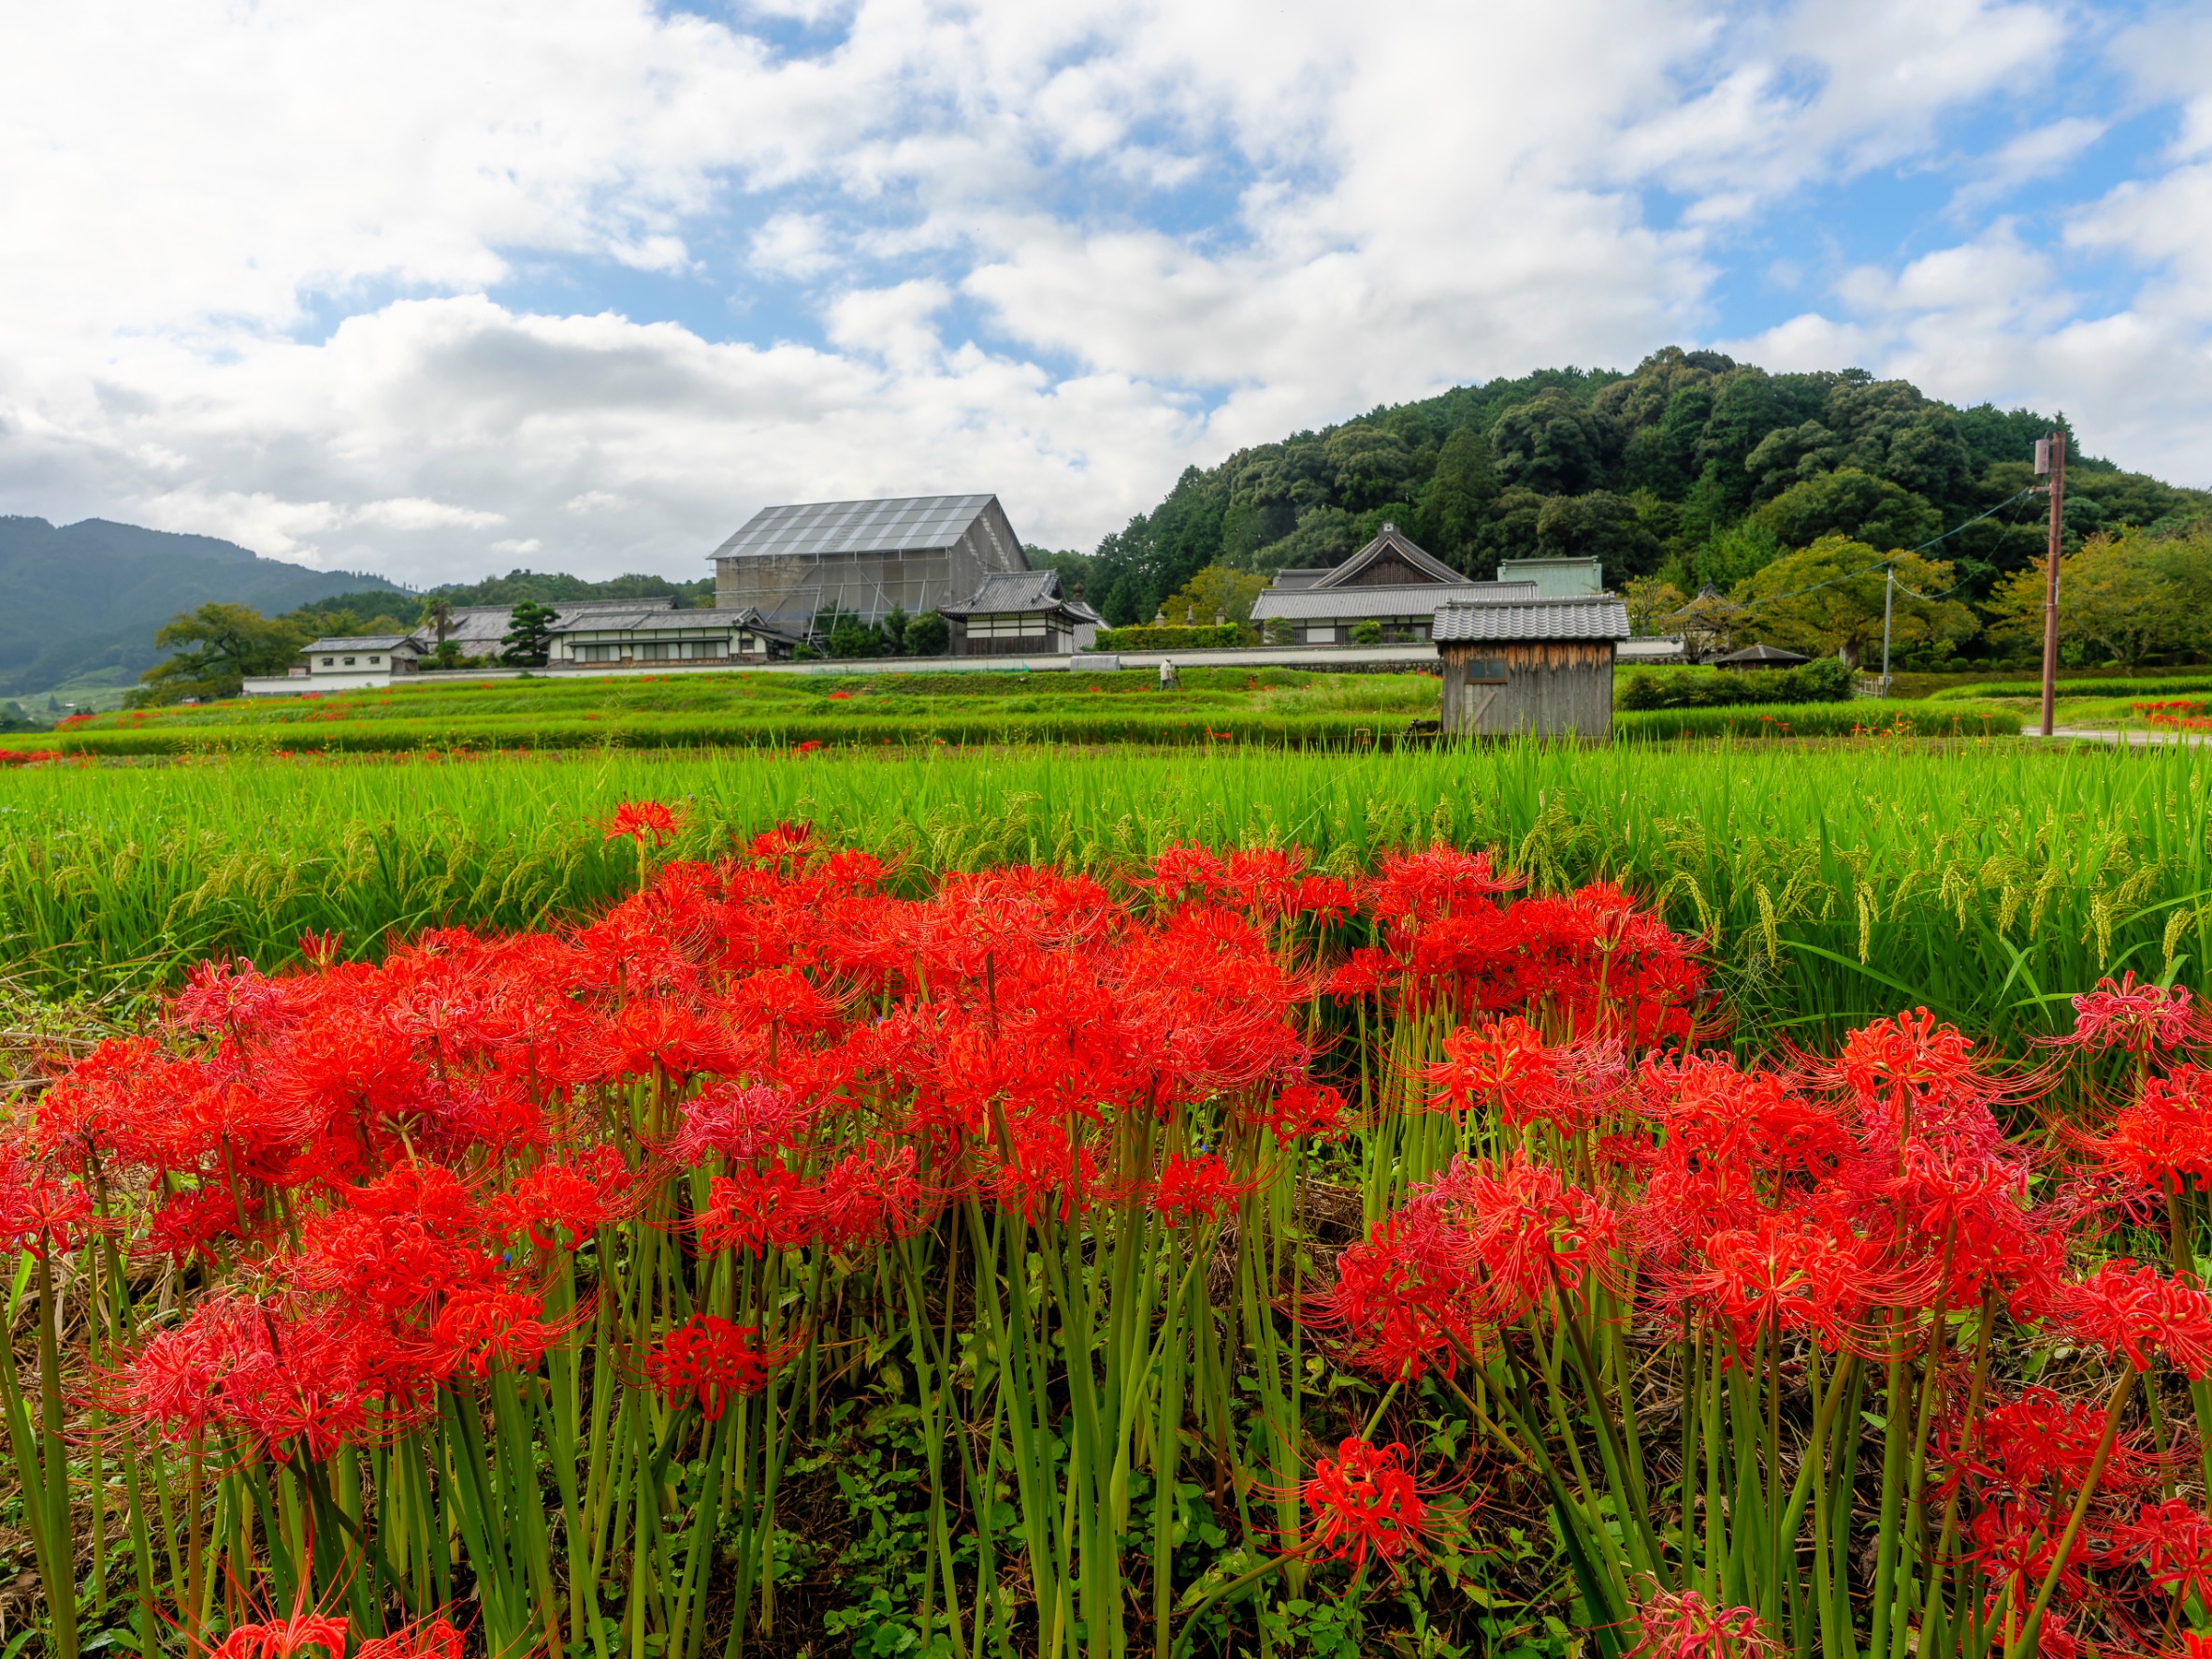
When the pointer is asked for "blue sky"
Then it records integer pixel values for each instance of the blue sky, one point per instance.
(436, 289)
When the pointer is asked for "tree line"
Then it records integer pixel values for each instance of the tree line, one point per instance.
(1695, 472)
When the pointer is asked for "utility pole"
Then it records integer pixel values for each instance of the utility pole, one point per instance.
(2050, 456)
(1888, 598)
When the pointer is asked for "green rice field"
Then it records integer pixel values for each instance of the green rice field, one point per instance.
(1985, 880)
(1275, 707)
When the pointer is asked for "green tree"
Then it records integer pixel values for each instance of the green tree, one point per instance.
(1324, 535)
(1554, 444)
(1728, 556)
(2130, 596)
(1456, 500)
(1650, 600)
(928, 634)
(1367, 465)
(1219, 590)
(1600, 525)
(1828, 600)
(438, 618)
(1509, 530)
(528, 635)
(1708, 622)
(216, 648)
(894, 625)
(1853, 504)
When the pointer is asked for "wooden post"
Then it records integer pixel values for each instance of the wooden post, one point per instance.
(2050, 598)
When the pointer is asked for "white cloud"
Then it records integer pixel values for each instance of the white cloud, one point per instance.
(1055, 251)
(2034, 155)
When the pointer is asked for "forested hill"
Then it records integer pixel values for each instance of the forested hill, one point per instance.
(84, 599)
(1694, 467)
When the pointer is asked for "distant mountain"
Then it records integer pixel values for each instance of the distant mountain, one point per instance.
(86, 599)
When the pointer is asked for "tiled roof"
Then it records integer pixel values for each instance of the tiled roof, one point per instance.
(908, 524)
(480, 626)
(1286, 580)
(645, 622)
(1531, 621)
(1390, 540)
(1753, 654)
(1354, 604)
(358, 643)
(1006, 592)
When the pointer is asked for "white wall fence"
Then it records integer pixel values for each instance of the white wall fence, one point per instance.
(1406, 659)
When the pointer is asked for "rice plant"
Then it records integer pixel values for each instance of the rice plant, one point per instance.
(1983, 881)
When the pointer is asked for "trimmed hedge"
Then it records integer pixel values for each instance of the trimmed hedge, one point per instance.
(1145, 637)
(1827, 680)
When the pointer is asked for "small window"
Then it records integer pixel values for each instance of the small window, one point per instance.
(374, 661)
(1487, 673)
(329, 662)
(348, 662)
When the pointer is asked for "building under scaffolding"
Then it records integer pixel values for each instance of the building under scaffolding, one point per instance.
(863, 558)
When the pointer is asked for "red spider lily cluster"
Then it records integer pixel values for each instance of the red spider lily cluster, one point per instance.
(404, 1195)
(1861, 1207)
(382, 1171)
(2180, 713)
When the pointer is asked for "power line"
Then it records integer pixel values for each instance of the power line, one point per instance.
(1902, 553)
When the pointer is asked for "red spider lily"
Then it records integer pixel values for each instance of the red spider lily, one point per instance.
(641, 821)
(1798, 1270)
(190, 1224)
(2014, 1544)
(867, 1197)
(1683, 1624)
(294, 1636)
(1193, 1189)
(2162, 1139)
(40, 1214)
(710, 1361)
(1471, 1250)
(1897, 1069)
(2174, 1544)
(1047, 1171)
(2036, 1445)
(1424, 885)
(658, 1035)
(229, 997)
(1503, 1064)
(560, 1205)
(275, 1375)
(2139, 1018)
(739, 1123)
(755, 1211)
(2137, 1312)
(1304, 1107)
(432, 1638)
(1364, 1502)
(1364, 974)
(786, 843)
(479, 1329)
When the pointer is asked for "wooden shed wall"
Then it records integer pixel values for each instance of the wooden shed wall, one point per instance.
(1551, 690)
